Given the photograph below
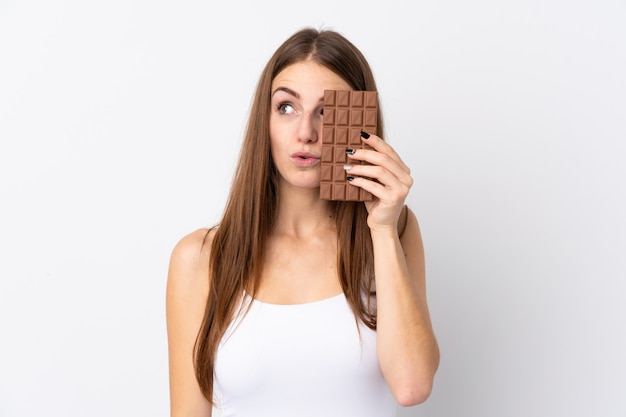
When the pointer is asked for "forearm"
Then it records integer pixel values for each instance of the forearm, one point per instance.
(406, 345)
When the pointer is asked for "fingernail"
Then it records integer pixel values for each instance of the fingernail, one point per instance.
(350, 178)
(365, 135)
(347, 167)
(350, 151)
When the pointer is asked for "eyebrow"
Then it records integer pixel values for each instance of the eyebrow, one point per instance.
(291, 92)
(288, 91)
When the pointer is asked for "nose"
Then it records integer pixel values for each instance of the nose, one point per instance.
(309, 128)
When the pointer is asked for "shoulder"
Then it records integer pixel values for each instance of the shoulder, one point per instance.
(189, 261)
(407, 222)
(193, 247)
(409, 229)
(188, 280)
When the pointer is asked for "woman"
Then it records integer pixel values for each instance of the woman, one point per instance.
(293, 305)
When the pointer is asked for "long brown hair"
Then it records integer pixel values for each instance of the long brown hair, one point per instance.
(239, 241)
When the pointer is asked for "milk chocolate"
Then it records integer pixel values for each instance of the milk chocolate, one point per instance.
(346, 115)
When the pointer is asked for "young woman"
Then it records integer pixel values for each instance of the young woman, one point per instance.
(296, 306)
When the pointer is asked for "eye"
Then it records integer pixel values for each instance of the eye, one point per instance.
(285, 108)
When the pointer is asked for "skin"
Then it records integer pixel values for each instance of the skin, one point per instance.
(406, 346)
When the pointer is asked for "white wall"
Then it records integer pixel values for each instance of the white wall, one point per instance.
(120, 122)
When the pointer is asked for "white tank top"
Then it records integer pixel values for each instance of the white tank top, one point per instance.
(302, 360)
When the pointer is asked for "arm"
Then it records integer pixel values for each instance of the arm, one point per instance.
(406, 344)
(186, 295)
(407, 349)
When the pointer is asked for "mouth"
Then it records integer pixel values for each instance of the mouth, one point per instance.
(305, 159)
(305, 155)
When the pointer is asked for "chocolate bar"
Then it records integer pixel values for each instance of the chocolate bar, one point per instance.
(346, 114)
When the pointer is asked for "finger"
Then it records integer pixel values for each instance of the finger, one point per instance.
(376, 158)
(381, 146)
(387, 195)
(380, 174)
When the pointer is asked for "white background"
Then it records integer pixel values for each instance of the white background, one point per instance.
(120, 123)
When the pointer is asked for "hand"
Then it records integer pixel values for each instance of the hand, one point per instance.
(392, 185)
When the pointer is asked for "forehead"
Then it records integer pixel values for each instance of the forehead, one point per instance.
(306, 75)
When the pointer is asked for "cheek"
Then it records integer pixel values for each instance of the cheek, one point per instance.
(279, 132)
(275, 142)
(274, 129)
(273, 138)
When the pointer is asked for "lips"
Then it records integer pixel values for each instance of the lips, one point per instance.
(305, 159)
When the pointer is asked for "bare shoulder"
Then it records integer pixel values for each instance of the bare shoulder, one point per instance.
(188, 274)
(194, 245)
(190, 256)
(408, 225)
(410, 236)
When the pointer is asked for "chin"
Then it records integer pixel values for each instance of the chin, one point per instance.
(304, 183)
(311, 186)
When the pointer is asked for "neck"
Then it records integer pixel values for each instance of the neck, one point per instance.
(301, 213)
